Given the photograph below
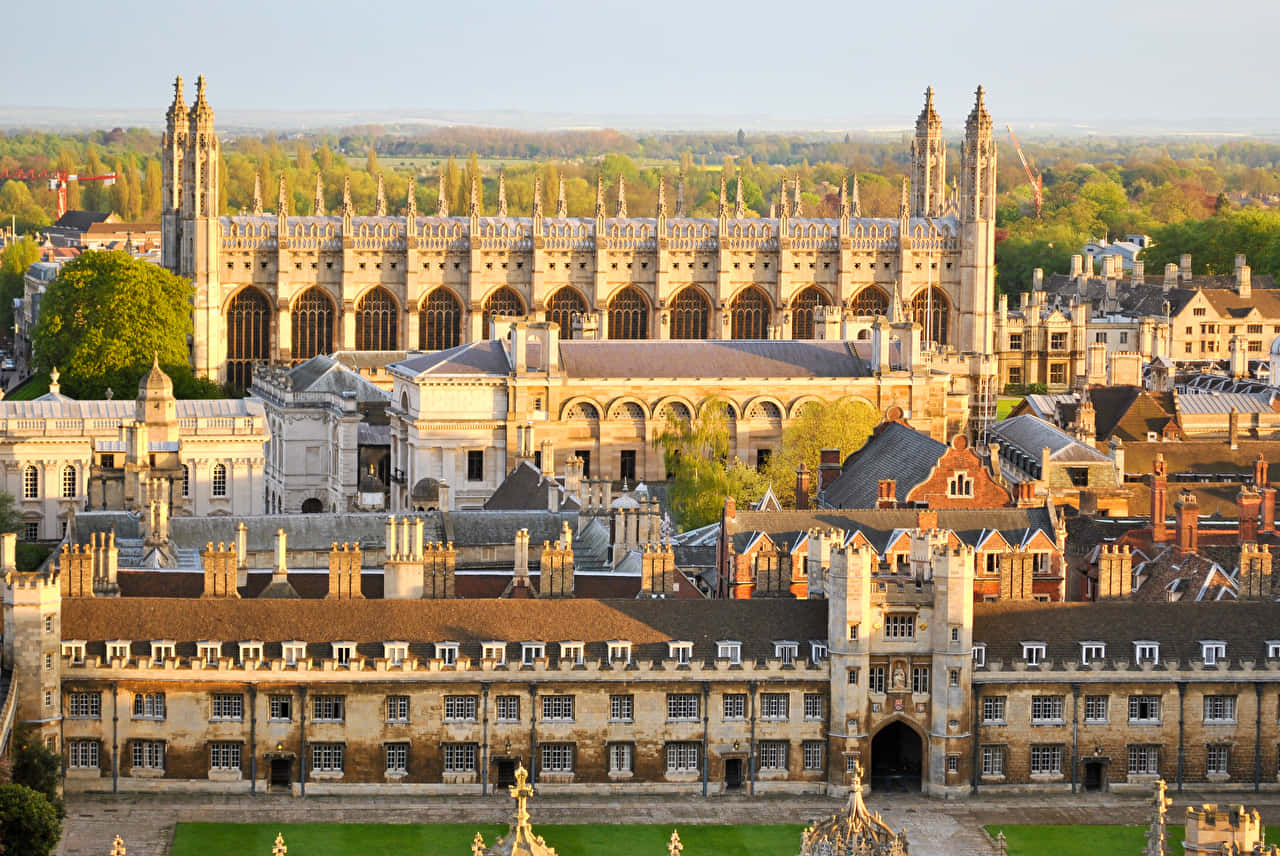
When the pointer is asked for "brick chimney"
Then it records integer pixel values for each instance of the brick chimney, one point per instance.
(1115, 571)
(1262, 483)
(744, 578)
(1025, 494)
(555, 569)
(1159, 487)
(1187, 513)
(828, 467)
(802, 488)
(927, 520)
(1248, 504)
(344, 572)
(887, 493)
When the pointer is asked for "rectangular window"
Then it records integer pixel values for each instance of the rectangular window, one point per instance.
(993, 710)
(148, 755)
(1144, 760)
(775, 706)
(447, 653)
(557, 757)
(622, 708)
(1058, 341)
(224, 756)
(1124, 337)
(1095, 709)
(1146, 652)
(1144, 709)
(397, 756)
(1046, 709)
(328, 757)
(993, 760)
(682, 757)
(1090, 651)
(148, 706)
(1015, 375)
(397, 708)
(620, 652)
(627, 465)
(773, 755)
(557, 708)
(1046, 760)
(294, 653)
(1058, 373)
(1100, 338)
(1218, 758)
(573, 652)
(920, 680)
(812, 750)
(681, 652)
(82, 754)
(343, 652)
(735, 706)
(682, 706)
(460, 708)
(508, 708)
(875, 679)
(1219, 708)
(396, 653)
(531, 652)
(475, 465)
(226, 706)
(979, 656)
(85, 705)
(30, 531)
(621, 757)
(219, 480)
(900, 627)
(813, 706)
(731, 651)
(786, 652)
(495, 651)
(1033, 652)
(585, 455)
(1015, 341)
(1212, 652)
(328, 708)
(281, 708)
(460, 757)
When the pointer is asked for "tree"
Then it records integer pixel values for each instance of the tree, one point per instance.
(105, 317)
(696, 453)
(371, 166)
(843, 424)
(14, 261)
(34, 764)
(10, 516)
(29, 825)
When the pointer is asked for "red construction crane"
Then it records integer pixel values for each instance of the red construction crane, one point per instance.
(58, 180)
(1035, 178)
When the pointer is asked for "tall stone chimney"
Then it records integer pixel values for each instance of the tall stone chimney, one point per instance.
(1115, 571)
(439, 570)
(658, 570)
(1255, 572)
(219, 571)
(344, 571)
(1159, 490)
(1184, 268)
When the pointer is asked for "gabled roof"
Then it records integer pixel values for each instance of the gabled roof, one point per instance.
(526, 488)
(486, 357)
(1032, 435)
(1130, 412)
(895, 451)
(711, 358)
(325, 374)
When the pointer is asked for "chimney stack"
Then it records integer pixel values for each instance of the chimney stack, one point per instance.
(344, 571)
(1170, 277)
(1187, 513)
(1248, 503)
(1115, 572)
(219, 571)
(1255, 572)
(658, 570)
(439, 570)
(1159, 488)
(1139, 272)
(802, 487)
(887, 493)
(1184, 267)
(828, 468)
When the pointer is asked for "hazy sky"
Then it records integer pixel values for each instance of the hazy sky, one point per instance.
(1062, 61)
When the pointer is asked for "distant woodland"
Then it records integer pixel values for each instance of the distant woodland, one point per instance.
(1210, 199)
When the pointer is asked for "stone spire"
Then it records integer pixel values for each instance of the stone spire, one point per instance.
(978, 164)
(473, 205)
(348, 210)
(784, 207)
(411, 201)
(662, 197)
(200, 109)
(317, 205)
(904, 201)
(599, 197)
(118, 848)
(282, 198)
(1156, 836)
(797, 209)
(675, 847)
(723, 210)
(537, 197)
(442, 198)
(739, 207)
(855, 205)
(562, 205)
(380, 202)
(844, 198)
(255, 207)
(178, 109)
(622, 198)
(928, 162)
(502, 193)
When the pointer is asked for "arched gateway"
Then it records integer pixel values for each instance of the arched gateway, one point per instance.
(897, 758)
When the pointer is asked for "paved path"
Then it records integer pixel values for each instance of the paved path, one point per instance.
(934, 827)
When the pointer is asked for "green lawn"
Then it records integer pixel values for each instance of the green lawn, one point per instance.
(1084, 840)
(369, 839)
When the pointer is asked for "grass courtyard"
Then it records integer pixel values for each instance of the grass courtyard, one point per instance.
(1085, 840)
(369, 839)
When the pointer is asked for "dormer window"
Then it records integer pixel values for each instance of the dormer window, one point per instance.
(495, 651)
(573, 652)
(531, 652)
(1146, 652)
(980, 656)
(209, 652)
(818, 651)
(1033, 653)
(250, 652)
(74, 651)
(447, 653)
(1212, 652)
(161, 650)
(1273, 650)
(118, 650)
(344, 653)
(395, 653)
(681, 652)
(620, 652)
(786, 652)
(1091, 651)
(731, 651)
(293, 652)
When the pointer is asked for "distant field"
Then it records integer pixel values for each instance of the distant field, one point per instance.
(368, 839)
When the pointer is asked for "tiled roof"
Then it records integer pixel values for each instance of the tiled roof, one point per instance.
(1173, 575)
(1130, 412)
(325, 374)
(486, 357)
(784, 358)
(1225, 402)
(1031, 435)
(895, 451)
(524, 489)
(1208, 457)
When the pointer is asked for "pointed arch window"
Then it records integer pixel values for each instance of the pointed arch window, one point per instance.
(749, 315)
(30, 482)
(440, 321)
(248, 336)
(312, 319)
(503, 303)
(932, 311)
(870, 302)
(690, 315)
(377, 322)
(561, 308)
(802, 310)
(629, 315)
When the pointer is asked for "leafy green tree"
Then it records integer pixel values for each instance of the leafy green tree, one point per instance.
(34, 764)
(29, 825)
(105, 317)
(14, 261)
(843, 424)
(696, 454)
(10, 516)
(371, 165)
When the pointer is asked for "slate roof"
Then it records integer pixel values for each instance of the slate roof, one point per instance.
(485, 357)
(116, 408)
(326, 375)
(1178, 627)
(1225, 402)
(1149, 298)
(1130, 412)
(1030, 435)
(80, 221)
(711, 358)
(1173, 575)
(895, 451)
(524, 489)
(648, 624)
(1209, 457)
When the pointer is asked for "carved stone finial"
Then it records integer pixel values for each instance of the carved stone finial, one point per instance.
(680, 195)
(662, 197)
(473, 206)
(904, 202)
(502, 193)
(282, 198)
(348, 209)
(255, 206)
(380, 202)
(796, 209)
(442, 198)
(855, 205)
(477, 845)
(675, 846)
(600, 197)
(537, 197)
(117, 847)
(844, 197)
(739, 207)
(622, 198)
(279, 848)
(724, 199)
(54, 386)
(411, 200)
(783, 206)
(562, 206)
(317, 205)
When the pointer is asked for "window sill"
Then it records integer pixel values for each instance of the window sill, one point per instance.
(1218, 777)
(145, 773)
(1047, 777)
(227, 719)
(992, 778)
(682, 775)
(395, 775)
(326, 775)
(1144, 722)
(400, 722)
(148, 718)
(620, 775)
(1220, 722)
(995, 723)
(446, 722)
(229, 775)
(459, 778)
(627, 721)
(561, 777)
(1048, 722)
(1097, 722)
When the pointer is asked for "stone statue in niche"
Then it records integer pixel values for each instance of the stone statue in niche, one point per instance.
(899, 676)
